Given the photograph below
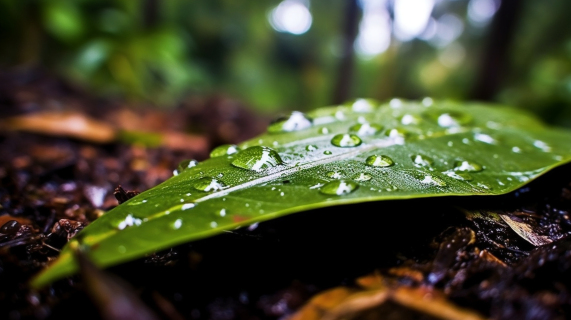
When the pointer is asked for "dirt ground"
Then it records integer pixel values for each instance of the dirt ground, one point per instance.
(418, 259)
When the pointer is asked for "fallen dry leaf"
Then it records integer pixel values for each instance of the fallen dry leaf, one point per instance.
(67, 123)
(345, 303)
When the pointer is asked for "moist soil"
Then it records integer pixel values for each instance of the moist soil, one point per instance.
(53, 184)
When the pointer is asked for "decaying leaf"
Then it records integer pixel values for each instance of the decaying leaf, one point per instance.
(529, 230)
(70, 124)
(374, 291)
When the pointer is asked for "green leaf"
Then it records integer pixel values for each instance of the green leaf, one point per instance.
(358, 152)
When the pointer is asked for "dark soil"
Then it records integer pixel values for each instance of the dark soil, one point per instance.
(51, 187)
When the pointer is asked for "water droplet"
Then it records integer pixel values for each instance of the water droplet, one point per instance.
(257, 159)
(379, 161)
(395, 103)
(485, 138)
(467, 166)
(121, 249)
(335, 174)
(410, 119)
(339, 187)
(427, 102)
(294, 122)
(187, 206)
(208, 184)
(224, 149)
(323, 130)
(363, 177)
(346, 140)
(421, 160)
(462, 176)
(516, 150)
(398, 133)
(177, 224)
(428, 179)
(363, 105)
(136, 202)
(542, 145)
(366, 129)
(183, 165)
(453, 119)
(128, 222)
(484, 186)
(213, 224)
(311, 147)
(327, 152)
(339, 115)
(223, 212)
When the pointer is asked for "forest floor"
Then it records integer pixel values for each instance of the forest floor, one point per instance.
(414, 259)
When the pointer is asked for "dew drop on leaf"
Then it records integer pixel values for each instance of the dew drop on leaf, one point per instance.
(208, 184)
(397, 133)
(136, 202)
(462, 176)
(427, 102)
(294, 122)
(187, 206)
(453, 119)
(323, 130)
(422, 160)
(366, 129)
(363, 105)
(395, 103)
(346, 140)
(177, 224)
(128, 222)
(485, 138)
(335, 174)
(542, 145)
(428, 179)
(327, 152)
(224, 150)
(484, 186)
(183, 165)
(311, 147)
(257, 159)
(339, 187)
(467, 166)
(363, 177)
(410, 119)
(379, 161)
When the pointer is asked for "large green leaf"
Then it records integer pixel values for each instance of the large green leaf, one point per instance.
(357, 152)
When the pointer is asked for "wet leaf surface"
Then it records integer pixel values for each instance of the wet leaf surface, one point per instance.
(450, 149)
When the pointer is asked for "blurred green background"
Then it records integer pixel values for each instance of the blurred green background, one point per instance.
(300, 54)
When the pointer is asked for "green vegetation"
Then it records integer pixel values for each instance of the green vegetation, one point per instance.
(426, 149)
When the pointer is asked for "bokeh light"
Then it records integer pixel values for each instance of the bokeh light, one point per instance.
(291, 16)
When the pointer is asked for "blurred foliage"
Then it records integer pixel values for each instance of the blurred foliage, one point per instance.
(161, 51)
